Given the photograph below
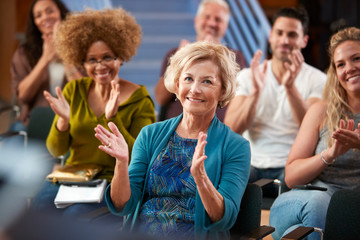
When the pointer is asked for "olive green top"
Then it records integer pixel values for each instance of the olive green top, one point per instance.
(132, 116)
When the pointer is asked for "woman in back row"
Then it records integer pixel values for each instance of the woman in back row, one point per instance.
(35, 66)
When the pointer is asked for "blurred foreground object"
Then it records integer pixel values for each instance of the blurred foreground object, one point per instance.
(21, 174)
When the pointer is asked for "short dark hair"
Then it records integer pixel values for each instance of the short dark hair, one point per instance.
(297, 13)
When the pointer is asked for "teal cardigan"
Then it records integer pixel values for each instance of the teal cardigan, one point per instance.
(227, 165)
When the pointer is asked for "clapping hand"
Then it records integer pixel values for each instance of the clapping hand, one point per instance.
(49, 51)
(258, 75)
(183, 43)
(112, 105)
(292, 68)
(59, 105)
(197, 169)
(346, 137)
(113, 143)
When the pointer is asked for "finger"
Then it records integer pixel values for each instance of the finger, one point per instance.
(202, 136)
(200, 149)
(296, 62)
(102, 139)
(350, 125)
(47, 95)
(265, 65)
(299, 57)
(256, 58)
(342, 123)
(201, 159)
(287, 66)
(103, 131)
(347, 138)
(106, 149)
(183, 43)
(100, 132)
(112, 83)
(117, 87)
(114, 129)
(59, 93)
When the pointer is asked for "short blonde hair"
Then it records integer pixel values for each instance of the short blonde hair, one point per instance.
(116, 27)
(200, 51)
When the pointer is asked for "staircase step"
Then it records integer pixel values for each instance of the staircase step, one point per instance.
(163, 16)
(153, 5)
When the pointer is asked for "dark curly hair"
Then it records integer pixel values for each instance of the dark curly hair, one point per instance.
(116, 27)
(33, 40)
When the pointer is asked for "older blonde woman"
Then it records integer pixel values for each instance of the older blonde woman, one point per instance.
(187, 174)
(110, 38)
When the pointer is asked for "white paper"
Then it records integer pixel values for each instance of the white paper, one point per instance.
(68, 195)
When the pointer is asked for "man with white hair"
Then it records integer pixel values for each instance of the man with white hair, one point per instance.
(210, 23)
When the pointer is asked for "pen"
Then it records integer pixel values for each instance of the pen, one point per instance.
(310, 187)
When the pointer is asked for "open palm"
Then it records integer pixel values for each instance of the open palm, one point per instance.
(59, 105)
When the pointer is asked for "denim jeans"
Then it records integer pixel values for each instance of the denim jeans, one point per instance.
(16, 141)
(300, 208)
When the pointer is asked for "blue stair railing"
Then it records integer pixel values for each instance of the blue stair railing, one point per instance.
(249, 28)
(81, 5)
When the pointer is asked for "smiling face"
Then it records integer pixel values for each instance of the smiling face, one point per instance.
(347, 65)
(46, 15)
(286, 35)
(211, 23)
(106, 70)
(200, 88)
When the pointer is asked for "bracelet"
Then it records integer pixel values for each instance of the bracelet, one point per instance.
(323, 159)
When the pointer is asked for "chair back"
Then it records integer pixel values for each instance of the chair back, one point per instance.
(40, 122)
(249, 216)
(343, 216)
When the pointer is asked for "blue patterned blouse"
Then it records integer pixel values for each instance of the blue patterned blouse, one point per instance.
(169, 208)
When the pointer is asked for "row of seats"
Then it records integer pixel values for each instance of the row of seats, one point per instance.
(343, 217)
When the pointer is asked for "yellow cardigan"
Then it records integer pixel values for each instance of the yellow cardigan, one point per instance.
(132, 116)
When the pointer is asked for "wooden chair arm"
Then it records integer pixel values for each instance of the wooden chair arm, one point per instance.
(298, 233)
(258, 233)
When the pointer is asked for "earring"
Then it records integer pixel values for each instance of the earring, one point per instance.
(220, 105)
(176, 99)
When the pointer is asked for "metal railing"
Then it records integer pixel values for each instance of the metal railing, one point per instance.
(249, 28)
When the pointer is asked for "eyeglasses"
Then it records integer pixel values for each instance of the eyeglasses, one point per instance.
(105, 61)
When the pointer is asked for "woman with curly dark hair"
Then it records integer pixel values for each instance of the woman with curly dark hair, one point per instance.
(35, 66)
(110, 38)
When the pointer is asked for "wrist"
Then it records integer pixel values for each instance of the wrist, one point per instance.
(122, 162)
(326, 159)
(290, 88)
(62, 125)
(200, 179)
(255, 94)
